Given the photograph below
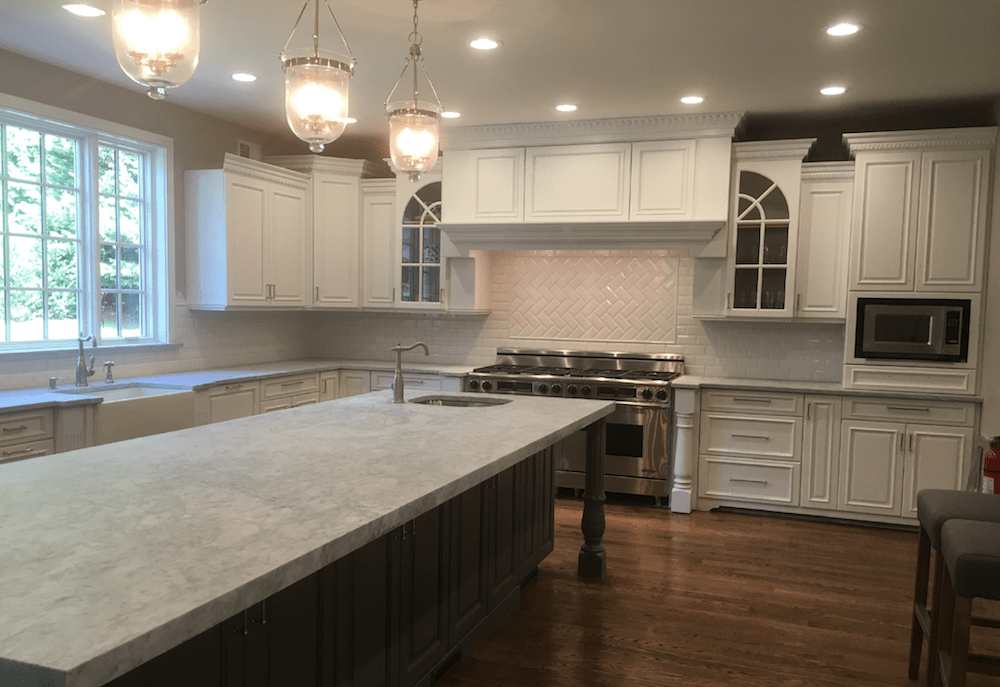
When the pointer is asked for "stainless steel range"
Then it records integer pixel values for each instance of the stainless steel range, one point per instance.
(638, 436)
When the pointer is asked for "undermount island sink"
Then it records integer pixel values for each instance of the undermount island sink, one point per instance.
(122, 392)
(131, 410)
(459, 401)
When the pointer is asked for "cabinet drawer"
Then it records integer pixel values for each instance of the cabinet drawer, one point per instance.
(28, 450)
(777, 438)
(288, 386)
(936, 412)
(757, 401)
(289, 402)
(748, 480)
(31, 425)
(411, 381)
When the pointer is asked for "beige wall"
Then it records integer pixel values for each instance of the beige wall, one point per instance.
(991, 342)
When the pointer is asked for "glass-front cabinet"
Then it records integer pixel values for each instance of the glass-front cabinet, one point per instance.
(760, 273)
(420, 254)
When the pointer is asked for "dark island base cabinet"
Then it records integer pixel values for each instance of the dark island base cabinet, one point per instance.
(395, 613)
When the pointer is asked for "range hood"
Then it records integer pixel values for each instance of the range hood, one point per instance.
(679, 235)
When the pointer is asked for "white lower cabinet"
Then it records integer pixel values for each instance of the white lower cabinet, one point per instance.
(289, 392)
(354, 382)
(821, 452)
(329, 385)
(227, 402)
(413, 382)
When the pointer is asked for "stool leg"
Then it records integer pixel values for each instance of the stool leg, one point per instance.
(944, 614)
(932, 644)
(960, 641)
(919, 602)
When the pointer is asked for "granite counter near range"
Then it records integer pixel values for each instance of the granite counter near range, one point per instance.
(114, 554)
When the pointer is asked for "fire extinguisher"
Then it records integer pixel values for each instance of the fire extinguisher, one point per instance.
(991, 467)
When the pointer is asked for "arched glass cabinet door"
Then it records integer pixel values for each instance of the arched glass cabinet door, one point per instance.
(761, 258)
(420, 257)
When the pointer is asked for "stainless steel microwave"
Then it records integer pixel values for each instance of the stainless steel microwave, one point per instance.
(913, 329)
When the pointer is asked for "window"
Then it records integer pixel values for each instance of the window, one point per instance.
(421, 254)
(82, 233)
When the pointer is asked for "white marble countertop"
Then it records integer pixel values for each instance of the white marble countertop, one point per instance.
(115, 553)
(695, 382)
(30, 399)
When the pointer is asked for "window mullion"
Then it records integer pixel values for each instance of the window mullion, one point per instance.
(90, 267)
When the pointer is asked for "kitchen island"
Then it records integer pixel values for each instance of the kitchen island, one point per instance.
(113, 555)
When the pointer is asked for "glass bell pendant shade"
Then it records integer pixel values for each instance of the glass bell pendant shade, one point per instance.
(316, 96)
(157, 41)
(414, 135)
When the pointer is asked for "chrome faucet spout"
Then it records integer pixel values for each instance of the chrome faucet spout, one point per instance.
(83, 372)
(397, 379)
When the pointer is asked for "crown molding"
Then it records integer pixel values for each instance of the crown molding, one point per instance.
(786, 149)
(626, 129)
(264, 171)
(310, 164)
(827, 171)
(929, 139)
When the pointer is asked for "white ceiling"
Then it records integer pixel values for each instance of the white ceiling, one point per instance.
(613, 58)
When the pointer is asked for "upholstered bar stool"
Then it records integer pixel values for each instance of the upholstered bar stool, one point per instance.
(934, 508)
(971, 552)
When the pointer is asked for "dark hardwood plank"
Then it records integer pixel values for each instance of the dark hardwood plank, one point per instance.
(713, 599)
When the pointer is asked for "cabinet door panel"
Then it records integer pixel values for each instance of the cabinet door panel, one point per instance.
(335, 241)
(362, 616)
(293, 619)
(871, 467)
(246, 203)
(662, 180)
(824, 227)
(583, 182)
(882, 247)
(469, 532)
(501, 543)
(287, 248)
(379, 256)
(952, 226)
(936, 458)
(423, 605)
(230, 405)
(354, 382)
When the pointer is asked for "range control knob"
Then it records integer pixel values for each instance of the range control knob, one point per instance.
(473, 384)
(647, 394)
(661, 395)
(557, 388)
(571, 389)
(543, 388)
(585, 391)
(487, 385)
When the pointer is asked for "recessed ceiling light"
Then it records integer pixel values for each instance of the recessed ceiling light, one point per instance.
(485, 44)
(566, 108)
(451, 115)
(832, 90)
(243, 77)
(843, 29)
(692, 99)
(82, 10)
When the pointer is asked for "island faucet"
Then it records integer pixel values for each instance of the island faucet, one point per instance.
(397, 380)
(82, 371)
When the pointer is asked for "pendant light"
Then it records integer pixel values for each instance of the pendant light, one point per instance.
(157, 41)
(414, 132)
(316, 86)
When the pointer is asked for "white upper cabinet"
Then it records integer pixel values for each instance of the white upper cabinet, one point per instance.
(585, 183)
(378, 263)
(246, 236)
(485, 186)
(662, 181)
(824, 233)
(920, 206)
(764, 234)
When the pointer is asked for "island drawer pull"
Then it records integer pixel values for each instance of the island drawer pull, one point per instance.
(751, 436)
(750, 399)
(750, 481)
(229, 387)
(908, 408)
(298, 383)
(15, 429)
(21, 452)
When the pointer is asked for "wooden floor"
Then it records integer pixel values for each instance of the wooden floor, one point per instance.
(711, 599)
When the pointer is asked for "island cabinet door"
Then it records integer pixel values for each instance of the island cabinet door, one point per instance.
(501, 561)
(421, 595)
(195, 663)
(534, 511)
(468, 581)
(359, 616)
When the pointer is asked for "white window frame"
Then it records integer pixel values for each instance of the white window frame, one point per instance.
(160, 180)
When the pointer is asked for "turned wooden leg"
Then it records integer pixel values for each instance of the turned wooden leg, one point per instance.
(920, 616)
(936, 619)
(591, 561)
(681, 492)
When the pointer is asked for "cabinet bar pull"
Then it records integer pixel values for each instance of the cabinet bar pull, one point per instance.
(298, 383)
(908, 408)
(748, 399)
(911, 442)
(233, 386)
(808, 410)
(751, 436)
(263, 612)
(15, 429)
(798, 299)
(21, 452)
(902, 440)
(317, 293)
(750, 481)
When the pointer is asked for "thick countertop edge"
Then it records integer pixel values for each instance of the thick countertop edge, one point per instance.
(799, 387)
(144, 647)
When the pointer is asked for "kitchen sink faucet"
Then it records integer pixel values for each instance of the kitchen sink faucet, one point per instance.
(397, 380)
(82, 371)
